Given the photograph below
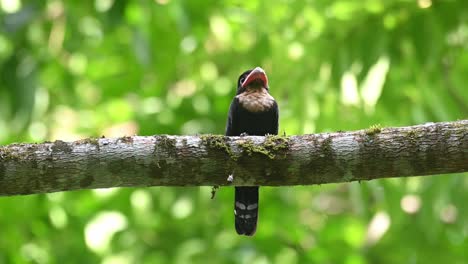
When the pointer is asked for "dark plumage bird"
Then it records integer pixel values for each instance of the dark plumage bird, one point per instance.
(254, 112)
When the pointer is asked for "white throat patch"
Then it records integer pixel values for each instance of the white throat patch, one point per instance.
(256, 100)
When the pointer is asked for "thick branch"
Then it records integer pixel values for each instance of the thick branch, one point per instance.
(433, 148)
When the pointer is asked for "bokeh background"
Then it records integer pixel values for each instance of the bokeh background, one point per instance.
(77, 69)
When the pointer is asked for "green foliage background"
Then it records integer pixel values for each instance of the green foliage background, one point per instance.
(75, 69)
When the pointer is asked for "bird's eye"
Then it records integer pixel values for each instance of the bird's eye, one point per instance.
(242, 80)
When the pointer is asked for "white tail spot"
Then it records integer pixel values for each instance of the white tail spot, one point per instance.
(240, 205)
(252, 206)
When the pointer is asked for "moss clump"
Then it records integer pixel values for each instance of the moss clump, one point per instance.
(61, 146)
(374, 129)
(249, 147)
(276, 143)
(326, 148)
(126, 139)
(411, 133)
(92, 141)
(8, 155)
(459, 124)
(218, 142)
(272, 145)
(166, 143)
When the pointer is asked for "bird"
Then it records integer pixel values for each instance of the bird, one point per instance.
(254, 112)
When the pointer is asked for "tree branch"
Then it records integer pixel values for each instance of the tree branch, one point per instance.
(432, 148)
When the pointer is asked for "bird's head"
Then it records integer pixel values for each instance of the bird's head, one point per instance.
(252, 79)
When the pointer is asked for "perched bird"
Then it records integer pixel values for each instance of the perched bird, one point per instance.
(254, 112)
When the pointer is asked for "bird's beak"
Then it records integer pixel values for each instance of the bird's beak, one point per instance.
(256, 74)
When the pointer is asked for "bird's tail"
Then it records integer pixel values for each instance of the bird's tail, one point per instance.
(246, 210)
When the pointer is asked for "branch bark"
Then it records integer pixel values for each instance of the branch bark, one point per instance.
(432, 148)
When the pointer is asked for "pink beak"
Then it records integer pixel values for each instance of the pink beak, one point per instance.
(256, 74)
